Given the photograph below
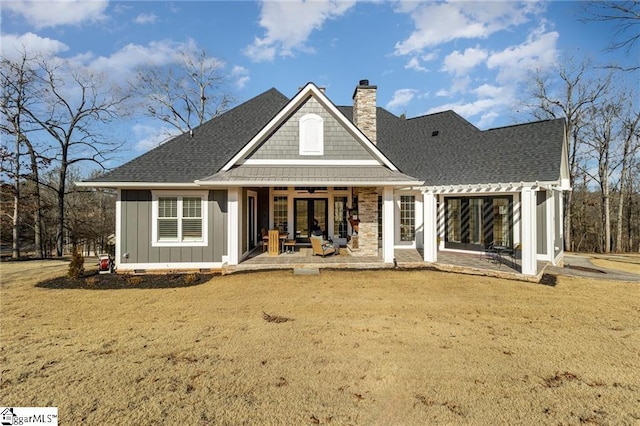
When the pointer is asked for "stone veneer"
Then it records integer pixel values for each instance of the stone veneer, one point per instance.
(368, 228)
(364, 109)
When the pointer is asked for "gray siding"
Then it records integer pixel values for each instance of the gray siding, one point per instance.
(136, 231)
(541, 222)
(283, 144)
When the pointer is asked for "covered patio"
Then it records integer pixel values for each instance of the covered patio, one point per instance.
(449, 261)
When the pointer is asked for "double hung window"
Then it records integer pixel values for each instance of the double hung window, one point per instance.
(179, 220)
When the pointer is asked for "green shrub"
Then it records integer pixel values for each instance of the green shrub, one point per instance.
(76, 267)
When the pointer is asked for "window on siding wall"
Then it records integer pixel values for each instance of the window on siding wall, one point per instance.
(167, 218)
(191, 219)
(311, 135)
(179, 220)
(407, 217)
(280, 213)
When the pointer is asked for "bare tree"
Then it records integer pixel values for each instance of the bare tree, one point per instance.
(631, 145)
(75, 104)
(626, 17)
(186, 94)
(568, 91)
(601, 138)
(17, 95)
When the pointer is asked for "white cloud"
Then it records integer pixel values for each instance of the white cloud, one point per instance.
(146, 18)
(438, 23)
(288, 26)
(240, 76)
(42, 14)
(489, 91)
(487, 119)
(13, 46)
(469, 109)
(151, 136)
(414, 64)
(401, 98)
(121, 64)
(459, 63)
(513, 63)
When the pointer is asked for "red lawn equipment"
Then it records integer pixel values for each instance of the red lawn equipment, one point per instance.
(105, 264)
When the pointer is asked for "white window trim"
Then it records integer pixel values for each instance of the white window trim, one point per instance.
(154, 218)
(304, 148)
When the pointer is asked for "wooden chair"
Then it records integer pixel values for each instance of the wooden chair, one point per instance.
(265, 239)
(274, 242)
(320, 247)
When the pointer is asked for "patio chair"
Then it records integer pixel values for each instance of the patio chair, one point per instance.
(321, 247)
(513, 252)
(265, 239)
(490, 253)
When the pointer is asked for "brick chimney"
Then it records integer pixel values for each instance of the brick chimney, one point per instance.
(364, 109)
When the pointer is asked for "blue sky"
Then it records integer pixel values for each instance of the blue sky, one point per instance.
(472, 57)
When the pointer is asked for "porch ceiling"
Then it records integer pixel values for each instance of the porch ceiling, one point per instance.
(305, 175)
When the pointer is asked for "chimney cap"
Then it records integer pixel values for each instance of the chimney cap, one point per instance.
(363, 84)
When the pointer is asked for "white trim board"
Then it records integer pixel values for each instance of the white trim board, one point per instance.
(170, 265)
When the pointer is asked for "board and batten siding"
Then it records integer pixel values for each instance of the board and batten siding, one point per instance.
(136, 231)
(283, 144)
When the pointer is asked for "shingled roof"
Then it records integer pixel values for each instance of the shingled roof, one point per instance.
(187, 158)
(445, 149)
(441, 148)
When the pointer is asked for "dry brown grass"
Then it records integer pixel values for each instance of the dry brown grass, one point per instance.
(370, 347)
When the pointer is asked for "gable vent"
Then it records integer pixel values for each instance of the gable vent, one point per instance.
(435, 133)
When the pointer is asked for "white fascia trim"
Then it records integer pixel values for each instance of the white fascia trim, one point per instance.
(168, 266)
(263, 162)
(309, 89)
(262, 183)
(138, 185)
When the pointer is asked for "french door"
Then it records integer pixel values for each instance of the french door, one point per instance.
(472, 223)
(306, 212)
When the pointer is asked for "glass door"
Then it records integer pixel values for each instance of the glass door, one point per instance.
(309, 214)
(472, 223)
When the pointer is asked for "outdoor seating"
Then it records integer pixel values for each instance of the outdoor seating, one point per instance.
(490, 253)
(321, 247)
(265, 239)
(513, 252)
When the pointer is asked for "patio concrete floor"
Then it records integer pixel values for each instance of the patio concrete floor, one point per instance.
(466, 263)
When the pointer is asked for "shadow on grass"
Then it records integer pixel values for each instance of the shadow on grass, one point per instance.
(127, 281)
(549, 279)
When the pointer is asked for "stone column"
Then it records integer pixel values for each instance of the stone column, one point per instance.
(368, 227)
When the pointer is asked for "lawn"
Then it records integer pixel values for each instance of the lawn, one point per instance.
(366, 347)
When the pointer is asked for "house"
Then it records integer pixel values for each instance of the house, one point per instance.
(431, 183)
